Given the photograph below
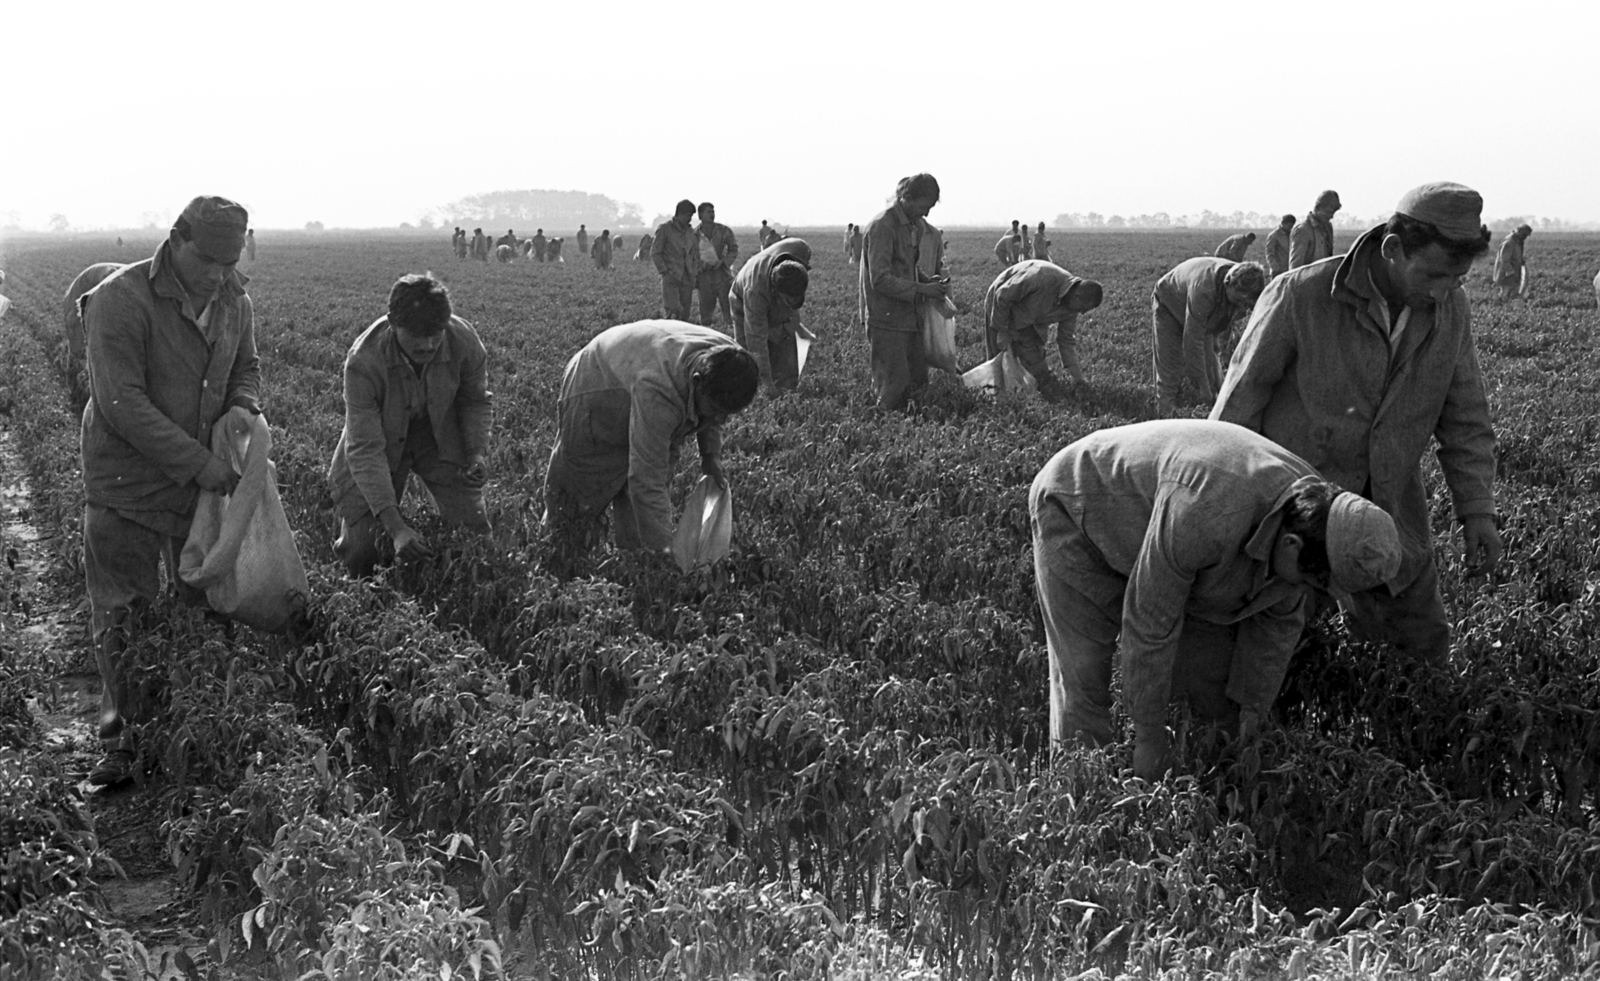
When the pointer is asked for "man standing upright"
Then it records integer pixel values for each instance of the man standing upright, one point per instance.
(854, 248)
(718, 250)
(902, 267)
(1312, 238)
(1510, 270)
(676, 254)
(1041, 245)
(1278, 248)
(583, 240)
(1357, 366)
(171, 348)
(539, 245)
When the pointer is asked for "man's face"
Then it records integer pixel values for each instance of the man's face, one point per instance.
(682, 217)
(1426, 276)
(1326, 209)
(201, 274)
(1286, 564)
(419, 347)
(917, 207)
(708, 214)
(709, 411)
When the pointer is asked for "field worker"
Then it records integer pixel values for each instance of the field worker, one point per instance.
(1235, 246)
(5, 304)
(1312, 238)
(676, 255)
(719, 251)
(766, 296)
(1358, 365)
(539, 245)
(1510, 271)
(583, 240)
(415, 401)
(628, 401)
(552, 250)
(1022, 303)
(1191, 546)
(480, 245)
(1006, 249)
(458, 241)
(1278, 248)
(171, 349)
(766, 234)
(646, 242)
(600, 252)
(617, 247)
(1192, 309)
(856, 242)
(1041, 245)
(1025, 242)
(509, 238)
(72, 329)
(1597, 288)
(902, 266)
(504, 253)
(249, 243)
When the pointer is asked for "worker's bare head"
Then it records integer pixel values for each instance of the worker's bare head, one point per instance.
(419, 311)
(1083, 296)
(725, 382)
(684, 211)
(1244, 283)
(1327, 205)
(790, 281)
(1286, 222)
(917, 194)
(1524, 230)
(707, 211)
(1249, 236)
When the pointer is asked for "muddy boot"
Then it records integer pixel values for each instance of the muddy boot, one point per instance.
(115, 768)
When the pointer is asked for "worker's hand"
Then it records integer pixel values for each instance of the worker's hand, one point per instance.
(1481, 543)
(476, 472)
(218, 476)
(934, 290)
(1152, 751)
(712, 467)
(410, 545)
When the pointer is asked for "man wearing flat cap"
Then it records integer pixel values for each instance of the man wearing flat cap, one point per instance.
(1021, 305)
(1191, 546)
(171, 348)
(1357, 366)
(1311, 240)
(766, 298)
(1510, 269)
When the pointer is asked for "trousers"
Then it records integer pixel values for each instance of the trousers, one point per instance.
(677, 298)
(899, 365)
(1179, 357)
(713, 284)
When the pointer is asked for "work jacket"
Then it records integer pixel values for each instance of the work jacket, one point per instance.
(1025, 297)
(1310, 241)
(1508, 262)
(159, 381)
(1187, 512)
(723, 245)
(762, 313)
(1234, 247)
(1193, 294)
(675, 252)
(383, 393)
(899, 254)
(1277, 253)
(1317, 373)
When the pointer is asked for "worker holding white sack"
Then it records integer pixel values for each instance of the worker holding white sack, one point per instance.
(629, 400)
(1022, 303)
(766, 297)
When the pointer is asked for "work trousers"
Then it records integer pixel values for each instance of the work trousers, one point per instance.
(783, 354)
(713, 284)
(677, 298)
(122, 563)
(1179, 358)
(1080, 597)
(1413, 621)
(899, 365)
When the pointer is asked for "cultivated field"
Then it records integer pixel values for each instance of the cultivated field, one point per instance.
(823, 759)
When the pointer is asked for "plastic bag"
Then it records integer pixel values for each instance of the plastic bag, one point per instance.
(240, 548)
(705, 528)
(939, 334)
(1003, 373)
(803, 339)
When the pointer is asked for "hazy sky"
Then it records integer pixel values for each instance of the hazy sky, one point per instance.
(367, 114)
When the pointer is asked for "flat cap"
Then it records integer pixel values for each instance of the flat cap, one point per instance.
(1363, 545)
(217, 226)
(1455, 209)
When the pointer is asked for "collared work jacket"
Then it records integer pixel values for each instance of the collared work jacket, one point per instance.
(1193, 294)
(1309, 241)
(1277, 253)
(1025, 297)
(1188, 512)
(159, 381)
(1234, 247)
(626, 406)
(899, 254)
(724, 245)
(382, 393)
(1317, 373)
(675, 252)
(766, 315)
(1508, 262)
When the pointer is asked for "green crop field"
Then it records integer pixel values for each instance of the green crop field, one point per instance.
(824, 758)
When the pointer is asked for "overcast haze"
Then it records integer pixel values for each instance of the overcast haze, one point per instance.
(806, 114)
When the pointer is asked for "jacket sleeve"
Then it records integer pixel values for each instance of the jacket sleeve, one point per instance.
(366, 446)
(1465, 435)
(728, 254)
(1265, 354)
(655, 413)
(757, 317)
(1153, 605)
(879, 257)
(1302, 240)
(1262, 651)
(1198, 347)
(244, 381)
(474, 401)
(658, 252)
(118, 332)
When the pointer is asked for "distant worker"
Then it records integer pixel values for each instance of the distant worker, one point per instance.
(766, 234)
(629, 399)
(1312, 238)
(249, 244)
(1510, 269)
(1235, 246)
(72, 327)
(480, 245)
(766, 297)
(676, 256)
(458, 242)
(1278, 248)
(1018, 309)
(1025, 242)
(416, 400)
(1008, 249)
(1184, 552)
(642, 253)
(1597, 288)
(856, 240)
(539, 245)
(1041, 245)
(719, 252)
(848, 229)
(617, 245)
(552, 250)
(902, 266)
(1192, 309)
(583, 240)
(600, 251)
(509, 238)
(504, 253)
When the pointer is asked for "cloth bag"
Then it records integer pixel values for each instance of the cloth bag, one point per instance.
(803, 339)
(939, 334)
(240, 549)
(1003, 373)
(705, 528)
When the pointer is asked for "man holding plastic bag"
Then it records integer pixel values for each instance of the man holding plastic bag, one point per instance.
(902, 267)
(171, 348)
(415, 401)
(1022, 303)
(629, 400)
(766, 298)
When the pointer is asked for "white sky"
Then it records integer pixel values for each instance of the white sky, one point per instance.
(803, 112)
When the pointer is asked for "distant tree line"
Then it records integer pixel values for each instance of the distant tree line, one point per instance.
(1256, 219)
(554, 211)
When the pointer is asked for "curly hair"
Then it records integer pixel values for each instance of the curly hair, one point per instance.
(419, 304)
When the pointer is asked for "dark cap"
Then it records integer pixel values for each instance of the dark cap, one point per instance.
(217, 226)
(1454, 209)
